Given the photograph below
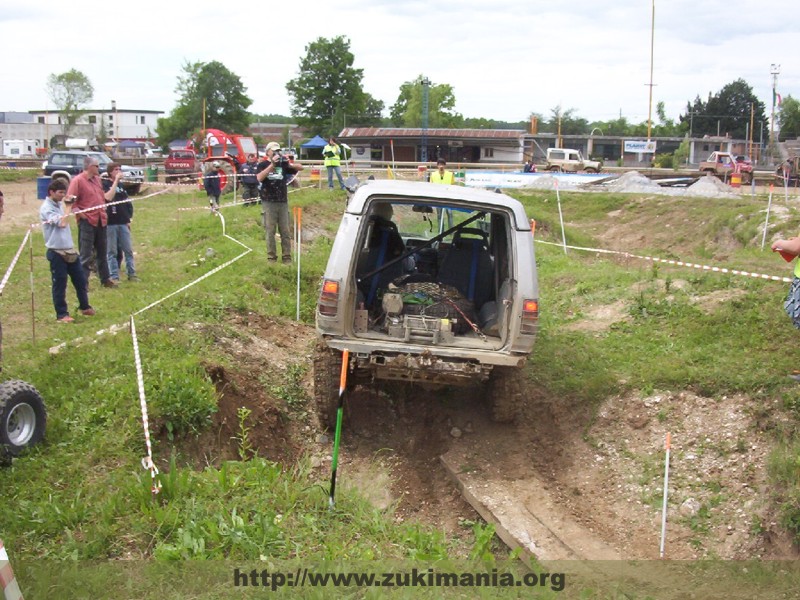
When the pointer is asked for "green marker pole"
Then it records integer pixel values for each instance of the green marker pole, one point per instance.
(339, 414)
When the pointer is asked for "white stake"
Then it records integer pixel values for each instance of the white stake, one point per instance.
(664, 506)
(766, 223)
(299, 210)
(561, 218)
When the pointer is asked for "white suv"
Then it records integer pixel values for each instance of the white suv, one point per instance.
(429, 284)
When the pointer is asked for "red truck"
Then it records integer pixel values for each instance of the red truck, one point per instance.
(181, 165)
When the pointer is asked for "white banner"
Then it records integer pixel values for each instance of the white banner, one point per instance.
(642, 147)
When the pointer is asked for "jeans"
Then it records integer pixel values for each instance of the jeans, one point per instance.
(119, 240)
(338, 176)
(276, 216)
(93, 239)
(59, 271)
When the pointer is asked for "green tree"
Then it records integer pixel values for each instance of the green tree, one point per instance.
(726, 112)
(407, 109)
(789, 118)
(327, 94)
(570, 124)
(226, 102)
(69, 91)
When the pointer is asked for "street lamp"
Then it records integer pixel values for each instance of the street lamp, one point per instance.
(425, 85)
(774, 70)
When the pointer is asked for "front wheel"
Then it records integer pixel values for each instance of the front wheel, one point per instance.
(23, 416)
(554, 169)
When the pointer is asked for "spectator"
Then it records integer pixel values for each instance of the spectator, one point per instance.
(61, 254)
(275, 172)
(118, 232)
(249, 180)
(86, 193)
(332, 153)
(790, 249)
(529, 166)
(440, 175)
(211, 182)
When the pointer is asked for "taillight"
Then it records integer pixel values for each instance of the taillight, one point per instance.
(530, 316)
(328, 304)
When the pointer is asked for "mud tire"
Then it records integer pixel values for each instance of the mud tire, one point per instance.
(506, 392)
(327, 369)
(228, 170)
(23, 416)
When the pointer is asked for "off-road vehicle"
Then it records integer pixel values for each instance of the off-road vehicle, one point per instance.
(723, 164)
(65, 164)
(429, 284)
(566, 159)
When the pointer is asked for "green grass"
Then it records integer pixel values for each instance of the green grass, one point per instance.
(84, 495)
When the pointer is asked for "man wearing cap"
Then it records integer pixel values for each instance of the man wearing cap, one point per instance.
(440, 175)
(88, 198)
(275, 172)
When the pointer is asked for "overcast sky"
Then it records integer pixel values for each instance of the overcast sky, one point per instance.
(504, 60)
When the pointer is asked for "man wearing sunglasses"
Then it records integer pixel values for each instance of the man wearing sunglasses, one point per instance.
(86, 194)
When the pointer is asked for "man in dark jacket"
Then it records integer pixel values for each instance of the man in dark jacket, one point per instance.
(275, 172)
(212, 185)
(118, 231)
(249, 180)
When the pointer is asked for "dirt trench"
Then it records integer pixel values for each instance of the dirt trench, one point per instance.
(603, 469)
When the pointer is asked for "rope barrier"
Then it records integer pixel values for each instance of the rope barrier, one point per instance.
(678, 263)
(14, 260)
(147, 461)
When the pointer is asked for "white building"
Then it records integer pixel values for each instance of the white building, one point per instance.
(118, 123)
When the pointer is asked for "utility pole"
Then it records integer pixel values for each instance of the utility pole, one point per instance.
(652, 45)
(424, 151)
(774, 70)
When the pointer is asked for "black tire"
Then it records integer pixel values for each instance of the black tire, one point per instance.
(23, 416)
(555, 169)
(506, 393)
(327, 369)
(591, 170)
(228, 187)
(747, 178)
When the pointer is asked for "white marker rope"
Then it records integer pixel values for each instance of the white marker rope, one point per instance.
(14, 260)
(147, 461)
(678, 263)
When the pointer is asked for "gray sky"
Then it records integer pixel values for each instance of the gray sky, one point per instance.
(503, 59)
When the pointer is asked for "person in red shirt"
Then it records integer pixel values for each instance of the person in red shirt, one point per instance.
(86, 194)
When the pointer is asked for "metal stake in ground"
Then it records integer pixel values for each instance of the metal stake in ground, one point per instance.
(338, 434)
(299, 237)
(561, 218)
(664, 506)
(766, 222)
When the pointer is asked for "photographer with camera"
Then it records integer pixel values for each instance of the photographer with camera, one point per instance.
(275, 173)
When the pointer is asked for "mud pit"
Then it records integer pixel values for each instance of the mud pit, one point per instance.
(604, 476)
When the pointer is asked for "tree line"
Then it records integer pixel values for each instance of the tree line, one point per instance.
(327, 95)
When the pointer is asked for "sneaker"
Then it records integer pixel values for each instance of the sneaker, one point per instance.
(89, 312)
(110, 283)
(133, 278)
(65, 319)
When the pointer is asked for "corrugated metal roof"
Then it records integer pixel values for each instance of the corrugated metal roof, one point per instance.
(415, 132)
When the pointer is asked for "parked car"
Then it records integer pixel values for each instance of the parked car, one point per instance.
(181, 164)
(566, 159)
(432, 285)
(65, 164)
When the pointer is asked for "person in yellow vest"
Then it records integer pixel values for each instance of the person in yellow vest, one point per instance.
(789, 250)
(332, 153)
(440, 175)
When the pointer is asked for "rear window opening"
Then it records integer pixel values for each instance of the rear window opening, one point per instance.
(433, 274)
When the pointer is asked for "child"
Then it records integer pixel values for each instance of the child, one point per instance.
(61, 254)
(211, 183)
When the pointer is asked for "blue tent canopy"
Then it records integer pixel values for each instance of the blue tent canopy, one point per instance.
(315, 142)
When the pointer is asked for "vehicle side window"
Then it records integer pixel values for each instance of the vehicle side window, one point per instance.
(61, 160)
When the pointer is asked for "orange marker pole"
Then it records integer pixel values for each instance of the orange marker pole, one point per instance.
(664, 506)
(533, 227)
(298, 245)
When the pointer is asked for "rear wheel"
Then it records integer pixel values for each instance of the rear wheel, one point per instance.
(327, 368)
(555, 169)
(506, 393)
(226, 178)
(23, 416)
